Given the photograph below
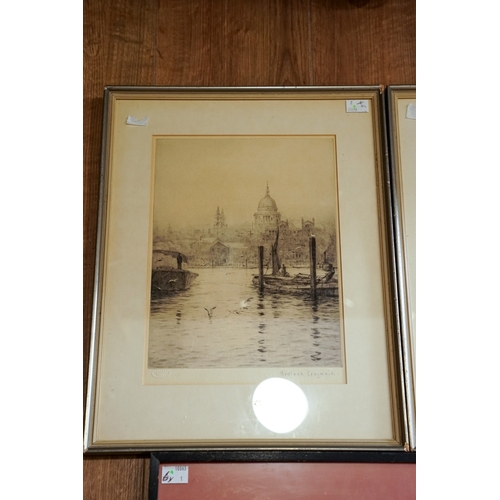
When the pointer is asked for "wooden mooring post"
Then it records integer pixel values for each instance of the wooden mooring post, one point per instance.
(312, 264)
(261, 268)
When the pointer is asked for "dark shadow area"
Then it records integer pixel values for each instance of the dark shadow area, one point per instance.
(370, 4)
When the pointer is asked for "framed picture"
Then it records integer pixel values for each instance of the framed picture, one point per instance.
(401, 105)
(281, 474)
(245, 280)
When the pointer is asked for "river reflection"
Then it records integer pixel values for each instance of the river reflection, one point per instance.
(223, 321)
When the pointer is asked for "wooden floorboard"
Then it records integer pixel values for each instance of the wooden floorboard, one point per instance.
(115, 477)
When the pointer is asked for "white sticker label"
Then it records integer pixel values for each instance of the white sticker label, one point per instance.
(174, 474)
(131, 120)
(411, 111)
(356, 106)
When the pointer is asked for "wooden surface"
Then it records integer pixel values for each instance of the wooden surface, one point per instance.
(230, 43)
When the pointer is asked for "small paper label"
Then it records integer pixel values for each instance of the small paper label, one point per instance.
(357, 106)
(131, 120)
(174, 474)
(411, 111)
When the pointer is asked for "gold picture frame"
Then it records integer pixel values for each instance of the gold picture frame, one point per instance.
(401, 106)
(195, 314)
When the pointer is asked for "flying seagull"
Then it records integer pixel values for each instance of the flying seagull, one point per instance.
(210, 312)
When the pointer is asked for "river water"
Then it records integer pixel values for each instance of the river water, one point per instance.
(245, 328)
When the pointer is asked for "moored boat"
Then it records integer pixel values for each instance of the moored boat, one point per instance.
(280, 280)
(167, 279)
(298, 284)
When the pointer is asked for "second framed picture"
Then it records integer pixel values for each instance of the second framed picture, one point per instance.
(245, 273)
(402, 114)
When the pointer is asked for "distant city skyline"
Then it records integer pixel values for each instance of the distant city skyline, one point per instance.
(195, 175)
(241, 225)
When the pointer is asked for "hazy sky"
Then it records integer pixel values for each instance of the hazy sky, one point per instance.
(194, 175)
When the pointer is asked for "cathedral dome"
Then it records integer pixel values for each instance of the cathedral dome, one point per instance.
(267, 217)
(267, 203)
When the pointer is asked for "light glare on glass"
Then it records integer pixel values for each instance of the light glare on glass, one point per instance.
(279, 405)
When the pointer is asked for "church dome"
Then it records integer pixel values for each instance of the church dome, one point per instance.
(267, 203)
(267, 217)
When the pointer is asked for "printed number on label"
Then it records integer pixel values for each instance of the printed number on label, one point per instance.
(174, 474)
